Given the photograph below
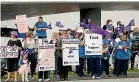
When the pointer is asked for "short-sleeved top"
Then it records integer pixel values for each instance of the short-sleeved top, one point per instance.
(124, 53)
(41, 33)
(81, 49)
(13, 43)
(106, 43)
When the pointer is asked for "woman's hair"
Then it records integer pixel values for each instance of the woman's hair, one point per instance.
(14, 33)
(109, 20)
(29, 34)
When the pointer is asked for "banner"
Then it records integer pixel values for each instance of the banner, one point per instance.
(8, 52)
(70, 52)
(21, 21)
(46, 57)
(93, 43)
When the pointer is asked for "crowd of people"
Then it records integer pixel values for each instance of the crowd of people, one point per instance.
(121, 53)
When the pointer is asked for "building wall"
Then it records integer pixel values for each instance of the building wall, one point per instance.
(69, 20)
(124, 16)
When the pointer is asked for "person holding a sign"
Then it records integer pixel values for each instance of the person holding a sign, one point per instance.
(106, 56)
(12, 63)
(123, 56)
(63, 70)
(41, 28)
(82, 56)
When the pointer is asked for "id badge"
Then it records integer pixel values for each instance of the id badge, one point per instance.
(105, 58)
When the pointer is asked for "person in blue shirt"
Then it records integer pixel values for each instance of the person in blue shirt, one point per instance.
(105, 56)
(81, 41)
(95, 65)
(41, 28)
(123, 56)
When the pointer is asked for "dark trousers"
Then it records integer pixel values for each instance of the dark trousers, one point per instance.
(105, 66)
(41, 73)
(122, 67)
(79, 68)
(88, 65)
(70, 68)
(33, 61)
(115, 64)
(63, 70)
(95, 66)
(132, 60)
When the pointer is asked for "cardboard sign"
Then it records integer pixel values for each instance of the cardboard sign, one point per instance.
(46, 57)
(21, 21)
(8, 52)
(70, 52)
(93, 43)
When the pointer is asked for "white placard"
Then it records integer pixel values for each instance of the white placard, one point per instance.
(21, 21)
(46, 57)
(93, 43)
(70, 52)
(9, 52)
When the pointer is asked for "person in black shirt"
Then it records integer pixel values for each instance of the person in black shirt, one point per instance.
(12, 63)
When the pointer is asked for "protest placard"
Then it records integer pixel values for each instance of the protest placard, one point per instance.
(46, 57)
(21, 21)
(8, 52)
(93, 43)
(70, 52)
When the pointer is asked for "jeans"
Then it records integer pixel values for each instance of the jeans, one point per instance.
(95, 66)
(79, 69)
(122, 67)
(105, 66)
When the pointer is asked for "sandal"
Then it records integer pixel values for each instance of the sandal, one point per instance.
(15, 80)
(7, 80)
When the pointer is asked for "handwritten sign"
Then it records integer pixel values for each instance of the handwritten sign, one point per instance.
(46, 57)
(8, 52)
(93, 43)
(22, 23)
(70, 52)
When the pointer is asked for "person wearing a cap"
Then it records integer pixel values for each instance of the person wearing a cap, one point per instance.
(24, 65)
(12, 63)
(41, 28)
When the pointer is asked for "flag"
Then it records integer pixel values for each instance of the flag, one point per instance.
(128, 27)
(97, 29)
(50, 26)
(58, 24)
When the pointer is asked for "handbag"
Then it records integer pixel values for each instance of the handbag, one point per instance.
(104, 50)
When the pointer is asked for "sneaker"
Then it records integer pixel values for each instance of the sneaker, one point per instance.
(125, 76)
(23, 80)
(93, 77)
(108, 75)
(32, 77)
(27, 80)
(39, 80)
(46, 79)
(98, 77)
